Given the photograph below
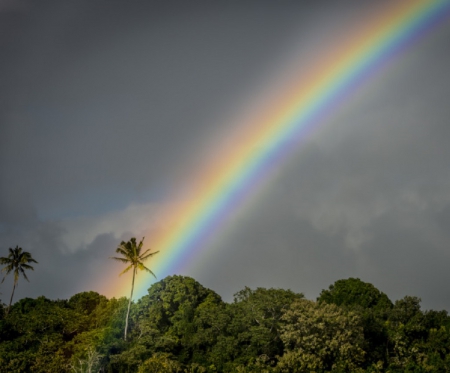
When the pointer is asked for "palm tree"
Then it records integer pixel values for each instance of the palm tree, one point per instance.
(16, 262)
(131, 254)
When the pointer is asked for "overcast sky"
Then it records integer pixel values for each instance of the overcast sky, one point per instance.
(107, 107)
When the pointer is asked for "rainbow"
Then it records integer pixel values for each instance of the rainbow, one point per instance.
(276, 132)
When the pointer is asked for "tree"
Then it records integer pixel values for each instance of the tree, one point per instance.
(179, 316)
(321, 338)
(407, 331)
(90, 364)
(354, 292)
(372, 305)
(131, 254)
(17, 262)
(160, 363)
(256, 321)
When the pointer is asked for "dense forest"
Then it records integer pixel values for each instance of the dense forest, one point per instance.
(181, 326)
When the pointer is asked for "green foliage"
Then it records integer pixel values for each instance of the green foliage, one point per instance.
(254, 327)
(131, 254)
(373, 307)
(321, 338)
(41, 335)
(178, 316)
(16, 262)
(183, 327)
(90, 363)
(160, 363)
(354, 292)
(33, 333)
(86, 302)
(406, 330)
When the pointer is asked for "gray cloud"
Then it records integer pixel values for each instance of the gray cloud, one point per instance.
(105, 109)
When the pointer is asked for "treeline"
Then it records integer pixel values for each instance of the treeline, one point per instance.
(181, 326)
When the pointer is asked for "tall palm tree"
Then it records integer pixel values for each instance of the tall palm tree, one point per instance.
(17, 262)
(131, 254)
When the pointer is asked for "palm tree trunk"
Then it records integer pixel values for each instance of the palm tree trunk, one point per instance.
(12, 295)
(129, 304)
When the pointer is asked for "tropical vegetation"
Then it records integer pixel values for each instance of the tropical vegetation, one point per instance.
(181, 326)
(16, 262)
(131, 255)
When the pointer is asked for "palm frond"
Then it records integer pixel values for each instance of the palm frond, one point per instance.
(144, 268)
(31, 260)
(122, 251)
(134, 248)
(149, 255)
(149, 271)
(125, 246)
(123, 260)
(23, 273)
(8, 268)
(141, 244)
(145, 252)
(126, 270)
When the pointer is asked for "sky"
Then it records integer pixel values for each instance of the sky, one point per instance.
(109, 111)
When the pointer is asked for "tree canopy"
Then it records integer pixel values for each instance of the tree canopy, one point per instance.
(16, 262)
(132, 256)
(181, 326)
(354, 292)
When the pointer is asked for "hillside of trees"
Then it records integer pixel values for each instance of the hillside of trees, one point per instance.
(181, 326)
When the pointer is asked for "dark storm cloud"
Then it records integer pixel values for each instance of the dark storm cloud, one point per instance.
(367, 196)
(106, 106)
(100, 102)
(103, 98)
(410, 259)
